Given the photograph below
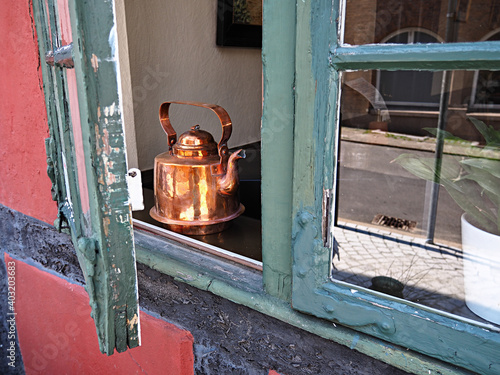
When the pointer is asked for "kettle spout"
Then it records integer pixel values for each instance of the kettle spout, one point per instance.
(228, 184)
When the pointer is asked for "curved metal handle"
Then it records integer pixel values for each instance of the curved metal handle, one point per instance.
(219, 111)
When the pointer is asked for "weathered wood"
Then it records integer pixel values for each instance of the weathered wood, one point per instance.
(104, 243)
(318, 60)
(434, 56)
(278, 59)
(115, 279)
(316, 110)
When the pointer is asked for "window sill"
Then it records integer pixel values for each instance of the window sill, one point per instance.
(244, 285)
(204, 248)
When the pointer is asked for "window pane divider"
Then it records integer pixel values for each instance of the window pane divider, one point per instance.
(434, 56)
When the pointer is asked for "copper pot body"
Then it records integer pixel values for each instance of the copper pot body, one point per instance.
(196, 182)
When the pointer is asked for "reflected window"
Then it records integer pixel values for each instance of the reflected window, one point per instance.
(394, 86)
(486, 89)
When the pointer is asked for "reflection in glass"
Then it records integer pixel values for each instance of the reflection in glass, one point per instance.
(382, 203)
(369, 21)
(487, 92)
(394, 85)
(486, 86)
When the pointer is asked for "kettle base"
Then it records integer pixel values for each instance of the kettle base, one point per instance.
(197, 228)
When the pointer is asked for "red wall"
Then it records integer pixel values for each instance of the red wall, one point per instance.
(24, 185)
(57, 335)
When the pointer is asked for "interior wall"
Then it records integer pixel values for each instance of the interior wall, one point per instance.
(173, 56)
(126, 102)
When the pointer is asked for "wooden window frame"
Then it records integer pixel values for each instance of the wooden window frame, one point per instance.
(456, 340)
(102, 233)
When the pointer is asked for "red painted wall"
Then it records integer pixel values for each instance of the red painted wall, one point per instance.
(57, 335)
(24, 185)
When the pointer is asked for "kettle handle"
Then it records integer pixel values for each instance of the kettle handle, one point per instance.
(224, 119)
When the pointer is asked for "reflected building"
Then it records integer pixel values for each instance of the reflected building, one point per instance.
(407, 102)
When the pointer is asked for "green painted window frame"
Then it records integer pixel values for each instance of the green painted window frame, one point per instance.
(320, 59)
(102, 237)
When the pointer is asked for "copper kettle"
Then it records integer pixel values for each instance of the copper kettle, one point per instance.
(196, 181)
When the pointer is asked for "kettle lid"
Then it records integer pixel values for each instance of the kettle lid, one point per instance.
(195, 143)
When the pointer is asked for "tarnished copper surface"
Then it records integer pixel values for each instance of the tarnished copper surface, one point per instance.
(196, 182)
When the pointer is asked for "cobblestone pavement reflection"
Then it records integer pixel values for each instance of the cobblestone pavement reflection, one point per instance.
(432, 274)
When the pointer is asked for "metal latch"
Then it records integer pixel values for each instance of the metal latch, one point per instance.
(61, 57)
(327, 217)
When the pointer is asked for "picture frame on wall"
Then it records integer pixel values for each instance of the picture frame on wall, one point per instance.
(239, 23)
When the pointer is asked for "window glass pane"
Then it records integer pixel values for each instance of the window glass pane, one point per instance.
(399, 38)
(370, 21)
(386, 213)
(244, 235)
(79, 162)
(486, 92)
(423, 37)
(425, 86)
(69, 127)
(488, 88)
(76, 128)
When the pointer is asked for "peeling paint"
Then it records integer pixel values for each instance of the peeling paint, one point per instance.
(183, 276)
(105, 223)
(95, 63)
(124, 218)
(109, 288)
(380, 305)
(113, 43)
(105, 141)
(104, 150)
(132, 322)
(110, 178)
(110, 110)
